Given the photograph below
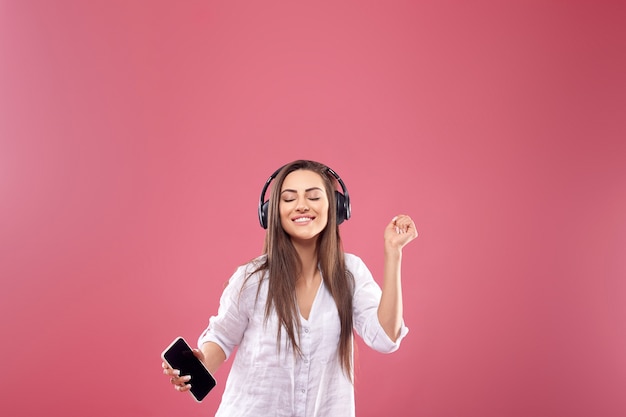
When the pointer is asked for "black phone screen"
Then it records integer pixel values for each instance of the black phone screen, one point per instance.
(180, 356)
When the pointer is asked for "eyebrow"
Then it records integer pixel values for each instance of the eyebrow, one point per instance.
(306, 191)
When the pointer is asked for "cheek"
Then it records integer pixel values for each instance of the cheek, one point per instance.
(324, 211)
(282, 209)
(283, 213)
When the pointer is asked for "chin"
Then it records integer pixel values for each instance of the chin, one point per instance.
(304, 237)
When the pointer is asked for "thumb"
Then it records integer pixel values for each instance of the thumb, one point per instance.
(393, 226)
(392, 223)
(198, 354)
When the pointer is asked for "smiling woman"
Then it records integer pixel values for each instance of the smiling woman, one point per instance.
(303, 206)
(135, 138)
(292, 311)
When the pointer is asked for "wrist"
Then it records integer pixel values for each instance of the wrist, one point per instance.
(393, 252)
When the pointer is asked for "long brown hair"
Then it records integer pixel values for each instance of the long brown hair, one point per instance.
(283, 266)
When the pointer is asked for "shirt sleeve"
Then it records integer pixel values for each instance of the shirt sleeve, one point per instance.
(366, 299)
(226, 329)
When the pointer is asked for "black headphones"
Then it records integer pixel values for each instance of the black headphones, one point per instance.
(343, 200)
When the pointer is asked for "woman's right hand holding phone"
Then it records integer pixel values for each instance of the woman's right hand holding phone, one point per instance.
(180, 382)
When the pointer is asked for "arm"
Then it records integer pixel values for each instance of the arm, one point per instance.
(227, 328)
(400, 231)
(212, 356)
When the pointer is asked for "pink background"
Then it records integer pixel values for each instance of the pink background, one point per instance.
(135, 137)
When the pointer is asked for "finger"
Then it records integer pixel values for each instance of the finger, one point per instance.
(179, 380)
(400, 218)
(405, 225)
(183, 388)
(401, 224)
(198, 354)
(181, 383)
(392, 223)
(171, 372)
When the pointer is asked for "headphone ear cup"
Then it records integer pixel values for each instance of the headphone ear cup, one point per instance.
(342, 212)
(263, 214)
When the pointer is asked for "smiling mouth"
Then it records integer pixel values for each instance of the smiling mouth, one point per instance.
(303, 219)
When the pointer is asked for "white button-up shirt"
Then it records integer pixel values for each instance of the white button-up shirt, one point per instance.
(264, 381)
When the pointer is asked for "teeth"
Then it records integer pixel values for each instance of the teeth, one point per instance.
(302, 219)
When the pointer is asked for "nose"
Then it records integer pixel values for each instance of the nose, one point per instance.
(302, 205)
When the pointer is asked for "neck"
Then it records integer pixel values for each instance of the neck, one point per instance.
(307, 251)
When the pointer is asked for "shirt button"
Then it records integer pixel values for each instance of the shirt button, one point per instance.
(303, 391)
(306, 330)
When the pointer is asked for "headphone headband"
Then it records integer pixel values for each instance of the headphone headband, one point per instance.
(343, 199)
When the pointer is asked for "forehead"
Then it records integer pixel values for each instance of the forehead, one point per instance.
(302, 179)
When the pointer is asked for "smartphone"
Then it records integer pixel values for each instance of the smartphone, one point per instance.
(179, 356)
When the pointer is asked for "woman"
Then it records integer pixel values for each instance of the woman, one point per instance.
(291, 312)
